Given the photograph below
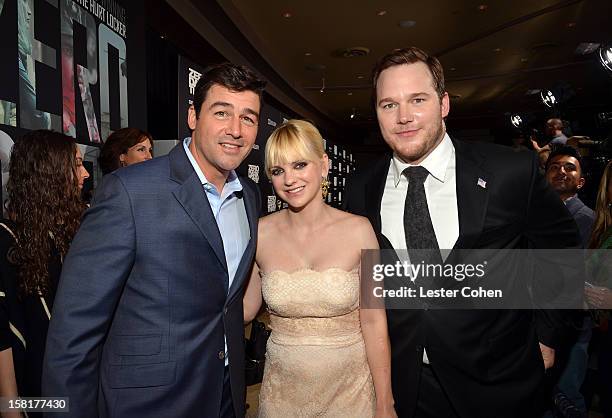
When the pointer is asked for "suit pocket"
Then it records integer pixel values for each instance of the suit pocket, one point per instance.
(137, 345)
(142, 375)
(138, 349)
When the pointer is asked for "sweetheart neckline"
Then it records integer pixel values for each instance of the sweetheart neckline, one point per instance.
(308, 269)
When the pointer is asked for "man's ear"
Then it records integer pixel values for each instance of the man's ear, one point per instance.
(192, 118)
(581, 182)
(445, 105)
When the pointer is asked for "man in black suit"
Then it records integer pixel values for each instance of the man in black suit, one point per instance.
(433, 192)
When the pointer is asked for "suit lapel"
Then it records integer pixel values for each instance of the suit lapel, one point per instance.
(374, 190)
(192, 197)
(247, 257)
(473, 184)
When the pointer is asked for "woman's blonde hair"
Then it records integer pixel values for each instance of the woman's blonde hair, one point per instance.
(603, 210)
(293, 139)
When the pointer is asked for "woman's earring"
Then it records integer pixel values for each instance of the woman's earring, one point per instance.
(324, 188)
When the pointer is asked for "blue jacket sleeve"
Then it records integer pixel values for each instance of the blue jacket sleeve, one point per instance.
(95, 270)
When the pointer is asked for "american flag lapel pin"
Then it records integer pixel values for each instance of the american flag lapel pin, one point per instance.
(482, 183)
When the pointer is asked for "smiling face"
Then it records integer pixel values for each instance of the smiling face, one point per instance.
(410, 112)
(299, 182)
(137, 153)
(564, 175)
(224, 132)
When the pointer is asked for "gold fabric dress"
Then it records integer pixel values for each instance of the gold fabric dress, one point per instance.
(316, 363)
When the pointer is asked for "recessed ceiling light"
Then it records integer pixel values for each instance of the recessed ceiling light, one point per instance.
(452, 69)
(483, 7)
(350, 93)
(405, 24)
(571, 25)
(524, 59)
(605, 57)
(548, 98)
(381, 12)
(286, 15)
(497, 50)
(308, 54)
(516, 121)
(360, 77)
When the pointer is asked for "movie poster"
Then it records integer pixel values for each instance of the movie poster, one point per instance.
(64, 67)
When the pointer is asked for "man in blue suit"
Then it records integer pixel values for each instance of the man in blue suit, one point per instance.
(148, 316)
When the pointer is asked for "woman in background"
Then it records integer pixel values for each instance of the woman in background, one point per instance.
(125, 147)
(44, 208)
(599, 291)
(326, 356)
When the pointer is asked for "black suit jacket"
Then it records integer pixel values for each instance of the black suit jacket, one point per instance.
(488, 361)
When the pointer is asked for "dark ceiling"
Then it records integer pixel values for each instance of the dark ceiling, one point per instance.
(493, 52)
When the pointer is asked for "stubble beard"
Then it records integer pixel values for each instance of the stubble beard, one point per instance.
(417, 154)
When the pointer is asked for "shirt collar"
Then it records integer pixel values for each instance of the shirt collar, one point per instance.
(232, 184)
(566, 201)
(436, 162)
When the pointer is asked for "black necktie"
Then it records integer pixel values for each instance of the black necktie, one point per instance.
(418, 228)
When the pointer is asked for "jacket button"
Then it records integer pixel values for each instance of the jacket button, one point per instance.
(221, 355)
(224, 311)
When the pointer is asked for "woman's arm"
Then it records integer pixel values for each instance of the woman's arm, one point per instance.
(376, 337)
(252, 295)
(8, 383)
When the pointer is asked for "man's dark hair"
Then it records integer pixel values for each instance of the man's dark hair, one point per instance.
(564, 150)
(236, 78)
(410, 56)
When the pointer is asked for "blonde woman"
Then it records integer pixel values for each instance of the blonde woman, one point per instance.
(325, 356)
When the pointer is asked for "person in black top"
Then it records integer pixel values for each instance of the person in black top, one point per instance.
(44, 208)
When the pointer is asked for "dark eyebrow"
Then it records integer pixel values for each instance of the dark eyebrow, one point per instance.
(412, 96)
(225, 104)
(251, 112)
(222, 104)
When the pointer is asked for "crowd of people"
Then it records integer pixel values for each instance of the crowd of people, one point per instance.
(136, 305)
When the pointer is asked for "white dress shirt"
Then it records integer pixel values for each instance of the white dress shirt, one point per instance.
(440, 191)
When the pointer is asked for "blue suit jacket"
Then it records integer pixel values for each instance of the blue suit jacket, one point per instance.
(142, 306)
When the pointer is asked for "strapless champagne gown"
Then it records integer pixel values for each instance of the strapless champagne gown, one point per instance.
(316, 363)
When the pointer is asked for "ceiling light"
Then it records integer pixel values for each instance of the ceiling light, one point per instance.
(381, 12)
(405, 24)
(307, 54)
(571, 25)
(353, 114)
(452, 69)
(350, 93)
(524, 60)
(286, 15)
(482, 7)
(516, 121)
(360, 77)
(497, 50)
(548, 98)
(605, 57)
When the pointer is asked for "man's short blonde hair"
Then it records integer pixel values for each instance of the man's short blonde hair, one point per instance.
(293, 140)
